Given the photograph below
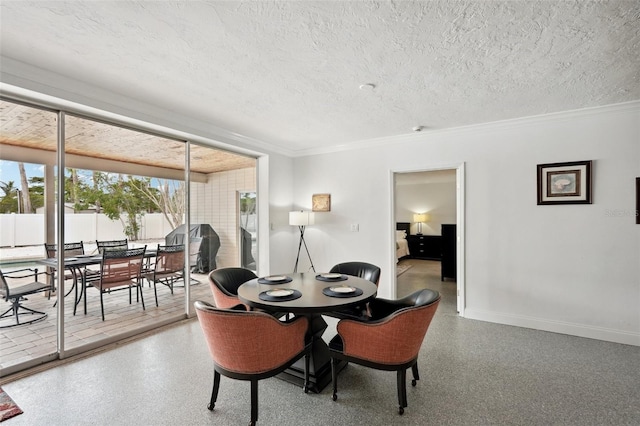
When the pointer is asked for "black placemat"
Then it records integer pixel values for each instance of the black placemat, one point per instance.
(328, 292)
(264, 280)
(343, 277)
(264, 296)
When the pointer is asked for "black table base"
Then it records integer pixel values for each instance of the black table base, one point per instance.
(320, 361)
(318, 380)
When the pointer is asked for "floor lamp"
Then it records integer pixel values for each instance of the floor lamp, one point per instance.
(301, 219)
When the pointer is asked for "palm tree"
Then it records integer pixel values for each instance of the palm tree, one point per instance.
(8, 188)
(8, 203)
(26, 198)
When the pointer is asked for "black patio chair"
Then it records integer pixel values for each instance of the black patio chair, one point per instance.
(16, 294)
(168, 267)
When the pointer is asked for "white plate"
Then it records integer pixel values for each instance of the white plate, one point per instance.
(86, 255)
(70, 258)
(331, 276)
(275, 278)
(280, 292)
(342, 289)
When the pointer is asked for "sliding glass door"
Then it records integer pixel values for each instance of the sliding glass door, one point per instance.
(28, 142)
(110, 182)
(215, 211)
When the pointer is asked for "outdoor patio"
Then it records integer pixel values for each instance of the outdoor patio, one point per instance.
(25, 342)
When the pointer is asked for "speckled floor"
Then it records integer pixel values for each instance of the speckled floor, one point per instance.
(472, 373)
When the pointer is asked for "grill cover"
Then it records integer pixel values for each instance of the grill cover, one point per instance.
(206, 260)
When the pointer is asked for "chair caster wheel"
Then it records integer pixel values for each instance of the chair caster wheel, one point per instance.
(414, 382)
(334, 397)
(211, 407)
(305, 389)
(252, 423)
(400, 410)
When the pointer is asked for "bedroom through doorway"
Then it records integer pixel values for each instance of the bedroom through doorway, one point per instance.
(427, 210)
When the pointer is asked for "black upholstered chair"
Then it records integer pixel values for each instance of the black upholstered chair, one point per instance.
(224, 284)
(390, 340)
(362, 270)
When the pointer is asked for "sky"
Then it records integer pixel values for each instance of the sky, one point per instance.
(9, 171)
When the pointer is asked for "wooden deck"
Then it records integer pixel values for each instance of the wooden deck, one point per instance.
(25, 342)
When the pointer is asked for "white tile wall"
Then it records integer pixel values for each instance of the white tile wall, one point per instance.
(215, 203)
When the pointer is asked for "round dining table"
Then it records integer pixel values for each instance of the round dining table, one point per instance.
(310, 294)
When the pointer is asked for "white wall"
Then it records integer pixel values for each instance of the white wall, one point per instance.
(283, 238)
(438, 200)
(570, 268)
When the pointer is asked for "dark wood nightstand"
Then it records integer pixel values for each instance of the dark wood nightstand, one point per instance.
(449, 244)
(425, 246)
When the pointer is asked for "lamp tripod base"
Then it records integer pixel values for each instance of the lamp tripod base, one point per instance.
(300, 244)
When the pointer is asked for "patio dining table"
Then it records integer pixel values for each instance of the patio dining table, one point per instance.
(76, 264)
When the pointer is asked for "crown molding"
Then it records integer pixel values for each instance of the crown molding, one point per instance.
(493, 126)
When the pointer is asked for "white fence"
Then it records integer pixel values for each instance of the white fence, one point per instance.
(17, 230)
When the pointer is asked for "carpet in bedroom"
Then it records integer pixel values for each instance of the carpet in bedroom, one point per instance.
(401, 268)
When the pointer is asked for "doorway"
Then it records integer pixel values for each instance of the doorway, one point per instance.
(248, 231)
(432, 202)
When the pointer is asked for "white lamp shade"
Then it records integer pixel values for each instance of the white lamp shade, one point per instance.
(301, 218)
(420, 217)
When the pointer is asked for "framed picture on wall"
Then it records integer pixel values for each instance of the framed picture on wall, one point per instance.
(564, 183)
(321, 202)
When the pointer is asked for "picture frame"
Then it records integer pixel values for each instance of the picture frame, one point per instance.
(565, 183)
(321, 202)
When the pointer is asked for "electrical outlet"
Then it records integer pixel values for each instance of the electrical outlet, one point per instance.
(354, 227)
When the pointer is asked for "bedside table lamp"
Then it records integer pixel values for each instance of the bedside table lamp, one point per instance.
(301, 219)
(420, 218)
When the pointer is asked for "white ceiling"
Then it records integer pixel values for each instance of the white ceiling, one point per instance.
(288, 72)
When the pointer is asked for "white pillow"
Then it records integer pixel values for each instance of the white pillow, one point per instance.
(401, 235)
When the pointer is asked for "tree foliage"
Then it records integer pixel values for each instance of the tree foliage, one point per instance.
(9, 200)
(120, 197)
(168, 197)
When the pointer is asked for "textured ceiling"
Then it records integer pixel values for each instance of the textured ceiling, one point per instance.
(288, 72)
(27, 127)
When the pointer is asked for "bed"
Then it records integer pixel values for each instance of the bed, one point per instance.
(402, 246)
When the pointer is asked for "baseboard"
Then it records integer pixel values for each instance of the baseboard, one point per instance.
(572, 329)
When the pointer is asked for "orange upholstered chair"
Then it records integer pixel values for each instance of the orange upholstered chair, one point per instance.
(391, 342)
(224, 284)
(249, 345)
